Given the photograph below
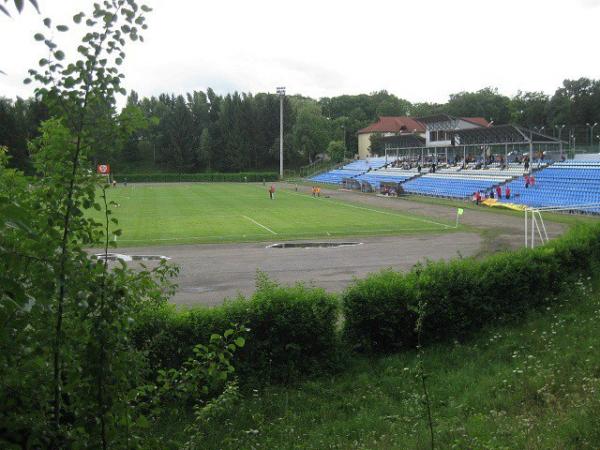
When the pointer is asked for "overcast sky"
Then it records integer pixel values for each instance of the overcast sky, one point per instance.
(418, 50)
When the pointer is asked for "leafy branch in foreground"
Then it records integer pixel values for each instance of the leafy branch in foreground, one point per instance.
(66, 363)
(19, 4)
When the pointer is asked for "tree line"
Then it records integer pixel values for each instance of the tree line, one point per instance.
(206, 132)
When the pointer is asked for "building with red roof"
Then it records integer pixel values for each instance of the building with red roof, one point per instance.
(435, 130)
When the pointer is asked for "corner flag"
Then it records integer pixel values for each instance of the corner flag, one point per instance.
(459, 212)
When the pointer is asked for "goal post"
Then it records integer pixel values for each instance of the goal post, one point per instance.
(534, 222)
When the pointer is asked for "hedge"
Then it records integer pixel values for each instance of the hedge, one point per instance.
(463, 295)
(196, 177)
(292, 332)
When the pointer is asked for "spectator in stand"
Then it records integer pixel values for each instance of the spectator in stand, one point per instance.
(526, 163)
(492, 193)
(526, 181)
(419, 168)
(531, 181)
(499, 192)
(507, 192)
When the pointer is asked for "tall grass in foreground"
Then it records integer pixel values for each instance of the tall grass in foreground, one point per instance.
(534, 384)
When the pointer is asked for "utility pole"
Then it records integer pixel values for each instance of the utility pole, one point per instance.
(281, 93)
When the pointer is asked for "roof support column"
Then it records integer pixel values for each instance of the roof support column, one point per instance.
(530, 151)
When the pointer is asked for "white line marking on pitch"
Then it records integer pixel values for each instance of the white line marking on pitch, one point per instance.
(259, 224)
(374, 210)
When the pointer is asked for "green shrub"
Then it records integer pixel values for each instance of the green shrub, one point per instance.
(292, 332)
(196, 177)
(463, 295)
(376, 312)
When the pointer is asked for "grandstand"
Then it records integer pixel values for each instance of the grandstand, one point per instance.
(569, 183)
(459, 182)
(386, 175)
(562, 184)
(478, 160)
(350, 171)
(456, 157)
(447, 181)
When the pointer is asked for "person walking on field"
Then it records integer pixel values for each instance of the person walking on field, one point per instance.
(507, 192)
(318, 191)
(272, 192)
(498, 192)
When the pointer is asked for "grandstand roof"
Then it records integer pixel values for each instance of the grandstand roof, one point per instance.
(500, 134)
(477, 121)
(400, 124)
(389, 124)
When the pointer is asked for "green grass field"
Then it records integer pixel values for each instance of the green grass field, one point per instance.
(527, 385)
(227, 212)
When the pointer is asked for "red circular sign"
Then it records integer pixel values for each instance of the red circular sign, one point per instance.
(103, 169)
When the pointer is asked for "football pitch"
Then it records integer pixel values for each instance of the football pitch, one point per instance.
(228, 212)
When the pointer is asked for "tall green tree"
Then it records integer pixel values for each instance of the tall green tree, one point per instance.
(311, 131)
(530, 108)
(487, 103)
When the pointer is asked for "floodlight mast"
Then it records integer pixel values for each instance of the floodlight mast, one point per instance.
(281, 93)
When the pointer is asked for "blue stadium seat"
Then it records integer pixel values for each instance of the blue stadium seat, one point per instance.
(566, 184)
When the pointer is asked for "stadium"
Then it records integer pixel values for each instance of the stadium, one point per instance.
(388, 211)
(194, 258)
